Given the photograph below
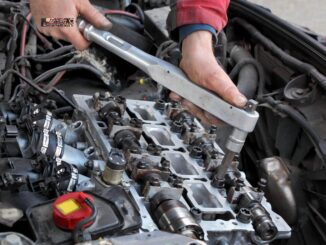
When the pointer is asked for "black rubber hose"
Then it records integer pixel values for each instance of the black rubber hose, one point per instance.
(78, 232)
(54, 59)
(2, 28)
(248, 74)
(35, 86)
(224, 43)
(280, 54)
(53, 54)
(132, 37)
(129, 22)
(298, 118)
(63, 110)
(258, 67)
(8, 24)
(67, 67)
(8, 4)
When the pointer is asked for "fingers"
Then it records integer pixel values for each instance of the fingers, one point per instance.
(205, 118)
(175, 97)
(220, 83)
(92, 15)
(200, 65)
(213, 120)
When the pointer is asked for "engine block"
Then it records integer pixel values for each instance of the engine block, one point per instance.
(147, 166)
(170, 160)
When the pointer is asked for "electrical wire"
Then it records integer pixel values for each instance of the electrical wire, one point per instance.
(35, 86)
(2, 28)
(57, 78)
(120, 12)
(67, 67)
(10, 59)
(47, 44)
(78, 232)
(165, 48)
(139, 11)
(57, 58)
(299, 119)
(287, 59)
(52, 54)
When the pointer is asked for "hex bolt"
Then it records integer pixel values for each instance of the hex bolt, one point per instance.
(96, 96)
(196, 213)
(154, 149)
(218, 183)
(213, 129)
(239, 183)
(154, 182)
(244, 215)
(176, 127)
(102, 95)
(193, 128)
(172, 179)
(262, 183)
(174, 104)
(165, 164)
(159, 105)
(136, 122)
(142, 165)
(89, 164)
(120, 99)
(196, 152)
(178, 183)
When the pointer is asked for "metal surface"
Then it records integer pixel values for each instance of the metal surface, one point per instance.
(279, 189)
(218, 217)
(172, 78)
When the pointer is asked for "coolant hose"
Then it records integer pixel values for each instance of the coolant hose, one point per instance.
(248, 74)
(287, 59)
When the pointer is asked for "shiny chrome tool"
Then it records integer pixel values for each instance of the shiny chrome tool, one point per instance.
(242, 120)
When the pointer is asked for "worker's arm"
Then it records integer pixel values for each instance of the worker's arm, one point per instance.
(195, 23)
(209, 14)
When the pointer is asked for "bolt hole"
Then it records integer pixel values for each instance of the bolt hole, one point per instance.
(77, 125)
(101, 124)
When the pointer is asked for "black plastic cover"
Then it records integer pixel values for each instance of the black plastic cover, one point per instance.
(108, 222)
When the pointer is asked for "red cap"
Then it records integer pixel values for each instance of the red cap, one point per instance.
(70, 209)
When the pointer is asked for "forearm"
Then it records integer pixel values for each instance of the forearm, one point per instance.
(189, 12)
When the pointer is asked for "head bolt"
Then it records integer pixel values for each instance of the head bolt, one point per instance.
(218, 183)
(154, 181)
(213, 129)
(165, 164)
(176, 127)
(142, 165)
(196, 152)
(244, 215)
(160, 105)
(262, 183)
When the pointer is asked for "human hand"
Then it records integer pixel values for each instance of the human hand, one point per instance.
(67, 9)
(200, 65)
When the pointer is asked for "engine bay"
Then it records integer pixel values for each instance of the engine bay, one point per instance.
(93, 150)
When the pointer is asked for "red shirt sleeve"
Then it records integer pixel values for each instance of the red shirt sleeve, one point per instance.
(209, 12)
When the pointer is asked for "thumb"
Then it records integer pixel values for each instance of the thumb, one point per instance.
(92, 15)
